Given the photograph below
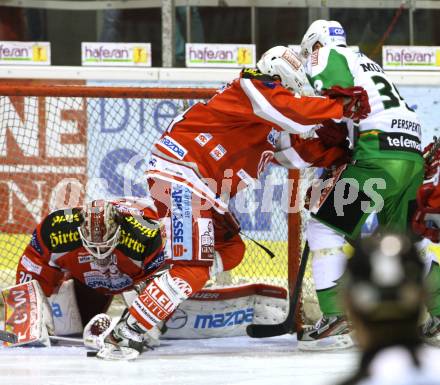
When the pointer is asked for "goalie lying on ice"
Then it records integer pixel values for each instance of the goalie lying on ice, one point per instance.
(82, 256)
(107, 248)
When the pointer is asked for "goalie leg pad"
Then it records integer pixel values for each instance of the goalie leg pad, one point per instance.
(28, 314)
(67, 319)
(159, 299)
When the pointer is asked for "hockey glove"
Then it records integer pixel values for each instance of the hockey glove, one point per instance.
(426, 219)
(332, 134)
(355, 100)
(431, 155)
(226, 225)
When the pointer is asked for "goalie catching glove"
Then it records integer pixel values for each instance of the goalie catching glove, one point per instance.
(355, 100)
(124, 339)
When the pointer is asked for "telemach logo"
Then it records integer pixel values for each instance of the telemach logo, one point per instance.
(399, 142)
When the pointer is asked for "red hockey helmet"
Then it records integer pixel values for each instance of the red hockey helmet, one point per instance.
(99, 231)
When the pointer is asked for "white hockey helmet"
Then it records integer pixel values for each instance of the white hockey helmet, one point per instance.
(284, 62)
(326, 32)
(99, 231)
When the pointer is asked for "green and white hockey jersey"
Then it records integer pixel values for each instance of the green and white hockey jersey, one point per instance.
(392, 129)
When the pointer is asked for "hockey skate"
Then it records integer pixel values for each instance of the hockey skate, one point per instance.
(430, 331)
(329, 333)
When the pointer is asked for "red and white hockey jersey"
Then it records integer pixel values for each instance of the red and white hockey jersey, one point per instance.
(218, 147)
(55, 251)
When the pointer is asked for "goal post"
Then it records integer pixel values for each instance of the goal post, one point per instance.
(63, 144)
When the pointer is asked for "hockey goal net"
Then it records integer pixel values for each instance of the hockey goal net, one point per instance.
(61, 145)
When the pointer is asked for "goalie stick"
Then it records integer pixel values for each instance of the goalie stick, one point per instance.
(287, 326)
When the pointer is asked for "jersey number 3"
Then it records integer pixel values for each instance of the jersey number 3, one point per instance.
(390, 96)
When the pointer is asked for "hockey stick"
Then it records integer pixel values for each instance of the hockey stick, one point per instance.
(8, 337)
(67, 341)
(287, 326)
(266, 249)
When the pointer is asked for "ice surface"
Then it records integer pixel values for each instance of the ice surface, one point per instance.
(225, 361)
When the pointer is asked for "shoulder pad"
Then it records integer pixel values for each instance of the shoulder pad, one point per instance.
(59, 230)
(253, 73)
(139, 237)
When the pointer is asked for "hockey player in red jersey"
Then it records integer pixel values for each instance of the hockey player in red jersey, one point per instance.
(213, 150)
(426, 219)
(105, 246)
(120, 240)
(216, 148)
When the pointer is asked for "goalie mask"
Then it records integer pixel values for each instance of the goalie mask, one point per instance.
(325, 32)
(99, 231)
(384, 280)
(283, 62)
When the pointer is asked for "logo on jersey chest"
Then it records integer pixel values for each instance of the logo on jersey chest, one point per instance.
(111, 279)
(85, 258)
(218, 152)
(399, 142)
(202, 139)
(173, 146)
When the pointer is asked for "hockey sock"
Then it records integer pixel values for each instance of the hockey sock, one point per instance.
(328, 267)
(433, 282)
(329, 302)
(159, 299)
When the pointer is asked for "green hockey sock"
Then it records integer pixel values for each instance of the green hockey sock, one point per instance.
(433, 282)
(329, 301)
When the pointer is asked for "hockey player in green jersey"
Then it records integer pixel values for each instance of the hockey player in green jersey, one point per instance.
(386, 171)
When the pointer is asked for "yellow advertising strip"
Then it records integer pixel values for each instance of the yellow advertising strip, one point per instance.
(11, 249)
